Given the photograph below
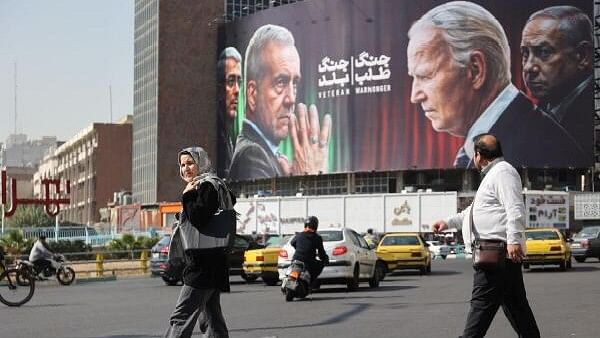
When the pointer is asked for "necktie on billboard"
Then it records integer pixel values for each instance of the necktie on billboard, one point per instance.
(462, 160)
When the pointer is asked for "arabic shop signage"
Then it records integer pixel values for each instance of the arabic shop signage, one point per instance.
(51, 201)
(364, 74)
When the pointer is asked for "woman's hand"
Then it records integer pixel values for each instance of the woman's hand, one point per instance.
(191, 186)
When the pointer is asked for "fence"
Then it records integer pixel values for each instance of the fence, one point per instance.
(102, 263)
(85, 234)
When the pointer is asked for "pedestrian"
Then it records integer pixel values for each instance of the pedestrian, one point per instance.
(496, 216)
(206, 272)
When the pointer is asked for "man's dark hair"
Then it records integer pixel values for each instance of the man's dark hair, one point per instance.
(574, 24)
(488, 146)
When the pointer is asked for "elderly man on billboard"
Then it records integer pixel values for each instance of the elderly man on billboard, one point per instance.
(272, 74)
(557, 57)
(459, 59)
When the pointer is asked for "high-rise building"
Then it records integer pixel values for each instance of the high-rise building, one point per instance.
(20, 152)
(175, 60)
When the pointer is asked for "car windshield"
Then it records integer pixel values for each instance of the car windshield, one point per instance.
(164, 241)
(588, 232)
(277, 241)
(541, 235)
(400, 240)
(331, 236)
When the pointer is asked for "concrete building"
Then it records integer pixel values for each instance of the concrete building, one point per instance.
(97, 161)
(18, 151)
(174, 59)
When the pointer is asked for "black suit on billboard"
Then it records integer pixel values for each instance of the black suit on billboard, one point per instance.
(532, 139)
(576, 117)
(252, 157)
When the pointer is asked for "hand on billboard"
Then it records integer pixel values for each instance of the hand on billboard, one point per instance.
(310, 140)
(439, 226)
(284, 164)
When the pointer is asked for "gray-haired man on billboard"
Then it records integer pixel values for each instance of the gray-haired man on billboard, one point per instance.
(557, 57)
(272, 74)
(459, 59)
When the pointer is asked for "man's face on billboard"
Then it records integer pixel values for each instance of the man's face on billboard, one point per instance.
(439, 85)
(233, 76)
(275, 94)
(549, 63)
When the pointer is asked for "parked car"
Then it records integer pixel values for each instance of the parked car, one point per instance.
(263, 262)
(438, 249)
(586, 243)
(351, 259)
(160, 267)
(404, 250)
(546, 246)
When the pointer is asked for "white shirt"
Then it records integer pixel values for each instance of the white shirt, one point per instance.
(39, 251)
(499, 211)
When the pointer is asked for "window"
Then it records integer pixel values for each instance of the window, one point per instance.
(400, 240)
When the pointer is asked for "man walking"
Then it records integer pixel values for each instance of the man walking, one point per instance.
(497, 214)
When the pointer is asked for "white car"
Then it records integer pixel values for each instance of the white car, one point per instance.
(351, 260)
(438, 249)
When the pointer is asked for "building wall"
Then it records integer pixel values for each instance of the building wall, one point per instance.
(174, 90)
(97, 161)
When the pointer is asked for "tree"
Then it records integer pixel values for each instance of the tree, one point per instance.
(29, 216)
(14, 243)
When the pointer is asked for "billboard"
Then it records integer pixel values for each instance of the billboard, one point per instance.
(350, 86)
(546, 209)
(587, 206)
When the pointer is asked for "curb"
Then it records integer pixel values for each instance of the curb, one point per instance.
(96, 279)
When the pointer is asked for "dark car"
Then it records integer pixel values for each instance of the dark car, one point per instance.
(172, 273)
(586, 243)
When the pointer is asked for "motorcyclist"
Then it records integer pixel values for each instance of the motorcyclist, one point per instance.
(370, 237)
(41, 256)
(309, 245)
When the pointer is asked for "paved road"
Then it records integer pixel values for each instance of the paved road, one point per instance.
(566, 304)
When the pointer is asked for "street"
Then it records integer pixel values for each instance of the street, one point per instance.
(406, 304)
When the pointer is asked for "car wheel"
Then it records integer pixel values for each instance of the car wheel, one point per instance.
(374, 281)
(270, 281)
(382, 270)
(569, 263)
(580, 259)
(562, 266)
(248, 278)
(171, 281)
(443, 256)
(289, 295)
(352, 283)
(428, 268)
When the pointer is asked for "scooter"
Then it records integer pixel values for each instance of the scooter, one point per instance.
(296, 283)
(64, 274)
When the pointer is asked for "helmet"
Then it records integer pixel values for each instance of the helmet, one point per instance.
(311, 222)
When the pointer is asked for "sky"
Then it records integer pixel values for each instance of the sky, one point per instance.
(68, 53)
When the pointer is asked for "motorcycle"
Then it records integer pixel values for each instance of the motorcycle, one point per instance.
(64, 274)
(296, 283)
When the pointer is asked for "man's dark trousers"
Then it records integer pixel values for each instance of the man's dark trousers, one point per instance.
(502, 287)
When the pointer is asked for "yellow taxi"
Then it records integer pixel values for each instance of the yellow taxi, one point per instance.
(546, 246)
(404, 250)
(263, 262)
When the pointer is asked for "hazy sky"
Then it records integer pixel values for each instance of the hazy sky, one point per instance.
(67, 52)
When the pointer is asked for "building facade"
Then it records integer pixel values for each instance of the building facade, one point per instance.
(97, 162)
(175, 52)
(18, 151)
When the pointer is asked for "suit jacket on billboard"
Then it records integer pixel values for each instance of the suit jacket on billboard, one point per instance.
(252, 157)
(577, 118)
(532, 139)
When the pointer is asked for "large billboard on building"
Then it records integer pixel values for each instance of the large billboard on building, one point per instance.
(346, 86)
(546, 209)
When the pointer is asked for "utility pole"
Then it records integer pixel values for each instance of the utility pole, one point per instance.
(15, 129)
(110, 102)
